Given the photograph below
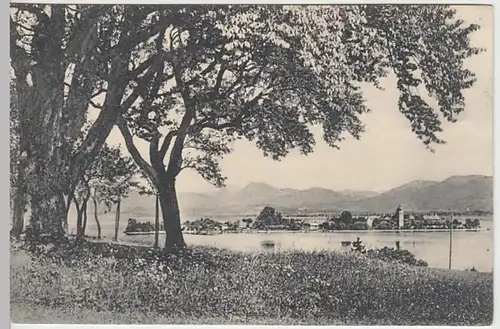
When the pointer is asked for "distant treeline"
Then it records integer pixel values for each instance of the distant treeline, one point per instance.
(476, 213)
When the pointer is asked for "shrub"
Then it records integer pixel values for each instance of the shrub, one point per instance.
(396, 255)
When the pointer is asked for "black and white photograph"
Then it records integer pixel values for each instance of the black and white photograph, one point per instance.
(251, 164)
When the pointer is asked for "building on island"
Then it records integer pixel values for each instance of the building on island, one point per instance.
(314, 225)
(403, 220)
(400, 215)
(433, 220)
(370, 220)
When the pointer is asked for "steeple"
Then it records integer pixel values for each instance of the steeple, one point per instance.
(401, 216)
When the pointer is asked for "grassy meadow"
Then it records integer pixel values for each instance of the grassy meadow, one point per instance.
(106, 283)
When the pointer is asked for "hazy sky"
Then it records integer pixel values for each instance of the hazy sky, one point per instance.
(388, 153)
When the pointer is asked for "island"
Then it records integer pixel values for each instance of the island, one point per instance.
(269, 220)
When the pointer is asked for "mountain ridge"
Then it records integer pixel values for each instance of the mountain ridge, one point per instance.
(458, 193)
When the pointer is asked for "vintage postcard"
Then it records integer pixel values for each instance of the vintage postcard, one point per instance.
(251, 164)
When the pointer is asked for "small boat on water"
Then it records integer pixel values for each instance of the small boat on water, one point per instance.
(345, 243)
(268, 244)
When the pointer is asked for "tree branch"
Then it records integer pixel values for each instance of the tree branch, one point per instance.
(240, 77)
(234, 123)
(77, 204)
(129, 42)
(166, 143)
(154, 158)
(95, 105)
(132, 149)
(143, 66)
(209, 68)
(87, 190)
(175, 160)
(102, 90)
(218, 82)
(189, 166)
(139, 90)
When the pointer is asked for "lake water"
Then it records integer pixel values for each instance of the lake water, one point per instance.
(468, 248)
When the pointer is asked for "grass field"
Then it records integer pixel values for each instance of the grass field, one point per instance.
(118, 284)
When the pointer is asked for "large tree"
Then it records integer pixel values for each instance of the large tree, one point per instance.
(270, 73)
(62, 57)
(201, 76)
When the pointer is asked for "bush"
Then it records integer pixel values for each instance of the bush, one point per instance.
(396, 255)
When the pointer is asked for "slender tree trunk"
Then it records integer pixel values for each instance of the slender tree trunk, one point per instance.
(157, 220)
(174, 241)
(117, 220)
(69, 202)
(79, 221)
(84, 223)
(96, 218)
(66, 223)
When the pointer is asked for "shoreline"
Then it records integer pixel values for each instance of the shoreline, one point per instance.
(244, 231)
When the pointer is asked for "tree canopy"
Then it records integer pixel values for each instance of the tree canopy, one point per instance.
(270, 73)
(190, 80)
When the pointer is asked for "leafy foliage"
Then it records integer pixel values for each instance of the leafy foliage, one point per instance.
(206, 224)
(346, 217)
(270, 73)
(388, 254)
(115, 176)
(396, 255)
(268, 217)
(135, 226)
(109, 178)
(192, 80)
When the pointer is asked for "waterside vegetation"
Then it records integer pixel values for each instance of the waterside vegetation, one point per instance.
(203, 285)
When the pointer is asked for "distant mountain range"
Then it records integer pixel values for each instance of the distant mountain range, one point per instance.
(457, 193)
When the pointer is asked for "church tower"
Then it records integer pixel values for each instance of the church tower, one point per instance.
(401, 217)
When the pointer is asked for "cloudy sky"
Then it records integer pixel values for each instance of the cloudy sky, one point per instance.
(388, 154)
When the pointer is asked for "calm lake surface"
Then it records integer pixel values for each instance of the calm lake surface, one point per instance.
(469, 248)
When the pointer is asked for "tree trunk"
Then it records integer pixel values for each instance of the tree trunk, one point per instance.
(18, 214)
(117, 220)
(79, 219)
(174, 241)
(47, 217)
(45, 170)
(96, 218)
(157, 220)
(84, 224)
(20, 197)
